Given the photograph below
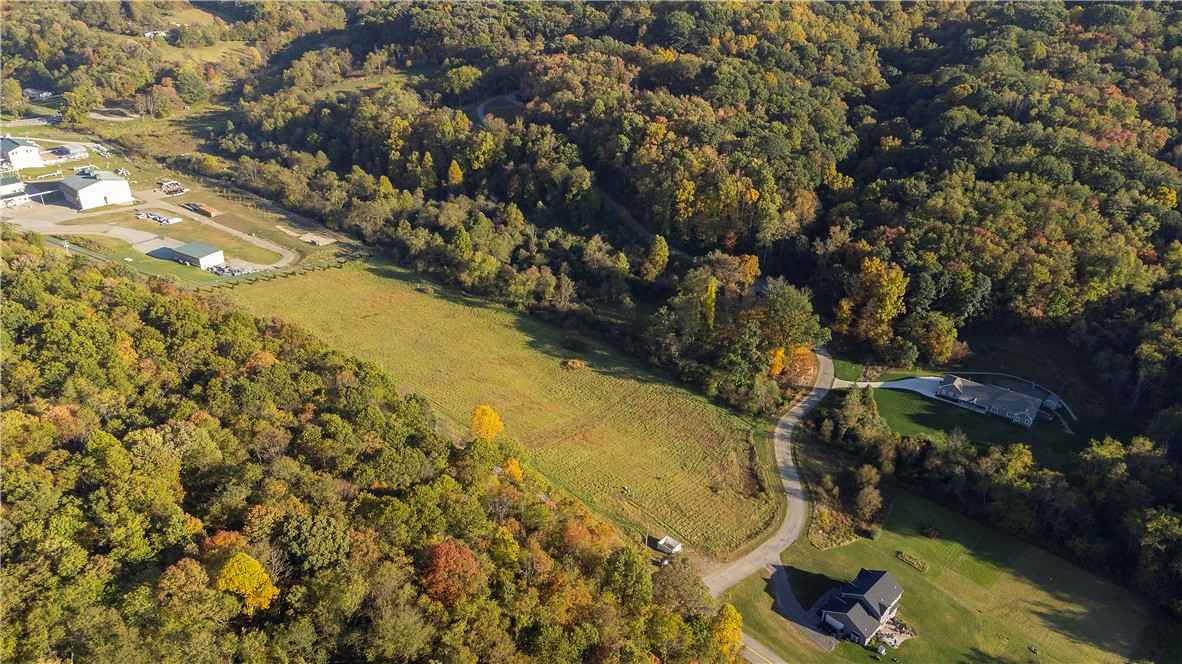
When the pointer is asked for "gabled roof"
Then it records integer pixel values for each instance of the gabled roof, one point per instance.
(878, 588)
(989, 396)
(9, 143)
(196, 250)
(81, 181)
(851, 614)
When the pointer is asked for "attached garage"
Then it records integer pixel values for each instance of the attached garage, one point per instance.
(200, 254)
(96, 189)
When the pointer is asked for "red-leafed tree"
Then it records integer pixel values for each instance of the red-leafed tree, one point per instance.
(450, 573)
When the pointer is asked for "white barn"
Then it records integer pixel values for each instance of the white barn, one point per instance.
(199, 254)
(20, 153)
(96, 189)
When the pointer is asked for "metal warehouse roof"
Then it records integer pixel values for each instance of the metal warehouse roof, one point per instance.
(81, 181)
(196, 250)
(10, 143)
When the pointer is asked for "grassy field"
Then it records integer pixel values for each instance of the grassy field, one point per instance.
(613, 424)
(188, 230)
(371, 82)
(118, 251)
(984, 597)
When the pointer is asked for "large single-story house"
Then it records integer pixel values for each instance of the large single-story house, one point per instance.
(20, 153)
(96, 189)
(991, 399)
(200, 254)
(861, 607)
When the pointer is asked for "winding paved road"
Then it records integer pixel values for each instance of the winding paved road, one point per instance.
(767, 555)
(612, 203)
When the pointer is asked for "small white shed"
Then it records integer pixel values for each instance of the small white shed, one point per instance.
(668, 545)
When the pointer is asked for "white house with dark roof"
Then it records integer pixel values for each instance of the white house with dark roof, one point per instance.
(991, 399)
(96, 189)
(20, 153)
(861, 607)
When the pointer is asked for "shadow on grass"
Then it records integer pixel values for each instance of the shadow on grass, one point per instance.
(544, 337)
(809, 586)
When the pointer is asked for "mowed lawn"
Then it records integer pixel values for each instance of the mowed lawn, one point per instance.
(189, 230)
(910, 414)
(612, 425)
(118, 251)
(984, 597)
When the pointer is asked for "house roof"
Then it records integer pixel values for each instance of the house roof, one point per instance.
(851, 614)
(81, 181)
(9, 143)
(991, 395)
(878, 588)
(196, 250)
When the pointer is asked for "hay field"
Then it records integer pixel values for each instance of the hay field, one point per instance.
(594, 431)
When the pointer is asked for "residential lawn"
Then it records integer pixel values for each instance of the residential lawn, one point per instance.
(985, 596)
(909, 414)
(753, 598)
(189, 230)
(594, 431)
(117, 251)
(845, 369)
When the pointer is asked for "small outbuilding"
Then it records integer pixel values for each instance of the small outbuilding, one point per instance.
(668, 545)
(95, 189)
(199, 254)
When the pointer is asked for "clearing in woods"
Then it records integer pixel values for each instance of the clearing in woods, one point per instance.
(594, 431)
(985, 597)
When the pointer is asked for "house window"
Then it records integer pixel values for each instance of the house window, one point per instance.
(993, 409)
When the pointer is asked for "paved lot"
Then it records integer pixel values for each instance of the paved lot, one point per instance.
(47, 218)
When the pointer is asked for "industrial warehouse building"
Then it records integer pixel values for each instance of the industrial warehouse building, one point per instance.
(199, 254)
(96, 189)
(20, 153)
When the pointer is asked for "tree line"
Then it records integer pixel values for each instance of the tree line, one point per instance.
(185, 482)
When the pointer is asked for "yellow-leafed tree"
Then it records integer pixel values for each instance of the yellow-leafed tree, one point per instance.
(728, 633)
(244, 576)
(777, 363)
(486, 423)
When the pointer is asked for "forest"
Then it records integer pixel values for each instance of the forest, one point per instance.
(915, 172)
(895, 176)
(187, 483)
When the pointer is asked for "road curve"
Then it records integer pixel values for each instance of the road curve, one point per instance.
(767, 555)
